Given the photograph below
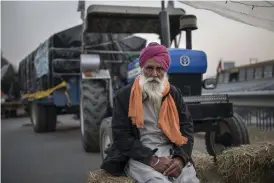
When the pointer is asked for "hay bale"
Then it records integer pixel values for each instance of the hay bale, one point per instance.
(101, 176)
(205, 167)
(247, 163)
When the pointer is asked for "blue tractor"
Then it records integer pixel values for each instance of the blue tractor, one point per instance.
(211, 114)
(79, 70)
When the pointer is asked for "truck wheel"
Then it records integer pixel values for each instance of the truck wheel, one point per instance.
(232, 132)
(10, 113)
(94, 108)
(13, 113)
(105, 136)
(27, 109)
(43, 118)
(52, 118)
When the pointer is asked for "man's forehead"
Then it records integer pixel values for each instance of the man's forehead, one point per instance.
(152, 62)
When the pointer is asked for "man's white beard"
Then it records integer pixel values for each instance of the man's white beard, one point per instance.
(152, 89)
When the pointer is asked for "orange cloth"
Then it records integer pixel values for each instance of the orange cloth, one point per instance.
(168, 116)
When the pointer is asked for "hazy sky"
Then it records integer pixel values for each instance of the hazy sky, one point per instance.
(24, 25)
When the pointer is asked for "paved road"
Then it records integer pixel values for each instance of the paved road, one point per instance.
(47, 158)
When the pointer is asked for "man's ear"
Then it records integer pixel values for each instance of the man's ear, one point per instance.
(142, 71)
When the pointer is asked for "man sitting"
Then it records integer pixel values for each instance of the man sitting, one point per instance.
(151, 126)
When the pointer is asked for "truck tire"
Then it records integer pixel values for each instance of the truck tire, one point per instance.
(43, 118)
(10, 113)
(233, 132)
(52, 118)
(94, 107)
(13, 113)
(105, 136)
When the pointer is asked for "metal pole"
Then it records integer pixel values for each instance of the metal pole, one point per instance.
(188, 39)
(165, 30)
(82, 9)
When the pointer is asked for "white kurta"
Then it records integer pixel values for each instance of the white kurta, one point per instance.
(153, 137)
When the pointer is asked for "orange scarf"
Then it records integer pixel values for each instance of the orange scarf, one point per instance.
(168, 116)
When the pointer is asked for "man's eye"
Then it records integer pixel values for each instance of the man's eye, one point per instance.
(159, 68)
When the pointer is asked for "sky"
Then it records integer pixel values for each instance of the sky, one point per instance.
(26, 24)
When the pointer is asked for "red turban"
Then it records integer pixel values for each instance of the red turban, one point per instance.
(156, 51)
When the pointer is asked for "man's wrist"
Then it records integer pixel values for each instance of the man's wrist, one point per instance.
(153, 161)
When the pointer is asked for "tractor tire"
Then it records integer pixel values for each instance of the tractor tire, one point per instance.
(105, 137)
(43, 118)
(94, 107)
(233, 132)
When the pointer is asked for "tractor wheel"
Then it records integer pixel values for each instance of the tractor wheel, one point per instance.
(43, 118)
(94, 107)
(232, 132)
(105, 136)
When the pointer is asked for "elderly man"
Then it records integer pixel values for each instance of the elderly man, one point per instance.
(151, 126)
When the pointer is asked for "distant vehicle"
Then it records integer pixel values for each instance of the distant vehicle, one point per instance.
(10, 95)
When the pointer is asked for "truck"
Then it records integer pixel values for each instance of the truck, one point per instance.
(49, 77)
(79, 70)
(10, 95)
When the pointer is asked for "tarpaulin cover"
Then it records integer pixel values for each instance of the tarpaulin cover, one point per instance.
(72, 38)
(41, 59)
(255, 13)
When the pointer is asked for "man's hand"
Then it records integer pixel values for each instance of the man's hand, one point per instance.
(160, 164)
(175, 168)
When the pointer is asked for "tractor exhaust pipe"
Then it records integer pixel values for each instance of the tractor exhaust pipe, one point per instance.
(188, 23)
(165, 30)
(189, 39)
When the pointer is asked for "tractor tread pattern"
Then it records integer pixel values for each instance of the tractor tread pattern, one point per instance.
(95, 107)
(238, 132)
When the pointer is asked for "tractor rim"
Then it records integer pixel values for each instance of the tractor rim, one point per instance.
(217, 147)
(105, 143)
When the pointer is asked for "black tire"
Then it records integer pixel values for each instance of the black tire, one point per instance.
(27, 109)
(243, 128)
(13, 113)
(105, 131)
(43, 118)
(52, 118)
(236, 135)
(94, 108)
(10, 113)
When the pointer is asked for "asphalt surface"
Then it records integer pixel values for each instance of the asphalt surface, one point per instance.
(56, 157)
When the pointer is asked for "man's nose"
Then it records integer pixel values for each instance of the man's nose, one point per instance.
(154, 73)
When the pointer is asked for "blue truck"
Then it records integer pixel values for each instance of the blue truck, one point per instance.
(98, 57)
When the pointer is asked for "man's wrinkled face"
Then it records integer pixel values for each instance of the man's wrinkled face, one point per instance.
(152, 79)
(152, 69)
(152, 82)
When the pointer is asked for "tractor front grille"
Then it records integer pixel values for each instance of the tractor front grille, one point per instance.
(189, 84)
